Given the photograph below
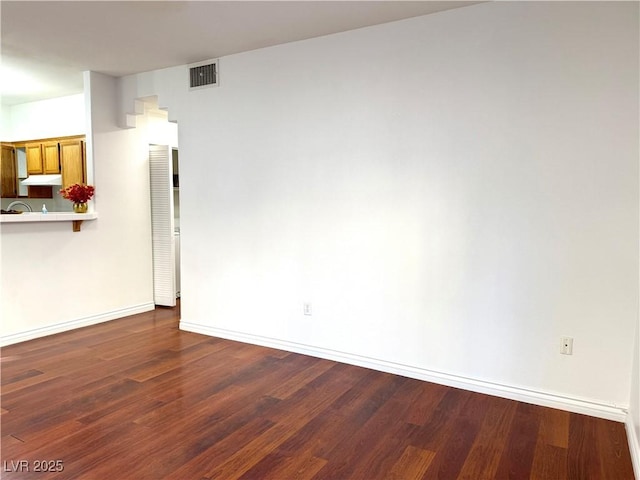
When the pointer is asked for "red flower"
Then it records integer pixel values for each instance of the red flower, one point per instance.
(78, 193)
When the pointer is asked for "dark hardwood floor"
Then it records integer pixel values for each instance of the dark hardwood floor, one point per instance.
(136, 398)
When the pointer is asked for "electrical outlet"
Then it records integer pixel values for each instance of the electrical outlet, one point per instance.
(306, 308)
(566, 347)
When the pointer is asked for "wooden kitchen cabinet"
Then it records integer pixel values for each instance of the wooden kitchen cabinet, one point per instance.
(72, 162)
(8, 173)
(34, 158)
(51, 158)
(43, 158)
(40, 191)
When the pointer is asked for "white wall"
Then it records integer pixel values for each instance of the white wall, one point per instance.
(633, 419)
(452, 193)
(53, 279)
(56, 117)
(5, 123)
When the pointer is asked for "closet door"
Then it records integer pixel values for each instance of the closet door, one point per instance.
(163, 242)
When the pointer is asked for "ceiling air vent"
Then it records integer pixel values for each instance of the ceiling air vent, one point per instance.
(203, 74)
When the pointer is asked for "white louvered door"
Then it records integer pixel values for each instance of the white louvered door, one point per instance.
(161, 176)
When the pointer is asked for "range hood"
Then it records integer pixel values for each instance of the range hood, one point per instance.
(42, 180)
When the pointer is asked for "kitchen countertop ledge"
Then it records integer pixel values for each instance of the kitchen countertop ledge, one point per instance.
(47, 217)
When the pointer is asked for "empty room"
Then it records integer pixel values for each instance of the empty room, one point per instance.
(320, 240)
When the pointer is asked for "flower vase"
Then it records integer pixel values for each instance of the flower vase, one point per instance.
(80, 207)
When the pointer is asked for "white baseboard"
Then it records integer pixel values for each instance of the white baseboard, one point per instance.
(72, 324)
(545, 399)
(634, 445)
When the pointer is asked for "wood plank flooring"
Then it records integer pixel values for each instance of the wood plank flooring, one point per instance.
(137, 398)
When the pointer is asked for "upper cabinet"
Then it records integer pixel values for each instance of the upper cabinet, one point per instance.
(51, 157)
(43, 157)
(8, 183)
(35, 164)
(72, 162)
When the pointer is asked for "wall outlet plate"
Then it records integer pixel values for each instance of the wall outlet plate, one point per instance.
(566, 346)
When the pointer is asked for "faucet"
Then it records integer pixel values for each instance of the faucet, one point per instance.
(18, 202)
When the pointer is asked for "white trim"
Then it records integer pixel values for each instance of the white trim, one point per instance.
(634, 445)
(72, 324)
(546, 399)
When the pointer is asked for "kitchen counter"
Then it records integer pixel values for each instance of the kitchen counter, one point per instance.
(47, 217)
(30, 217)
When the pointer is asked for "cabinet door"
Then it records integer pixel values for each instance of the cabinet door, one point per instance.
(72, 162)
(51, 157)
(34, 158)
(8, 183)
(40, 191)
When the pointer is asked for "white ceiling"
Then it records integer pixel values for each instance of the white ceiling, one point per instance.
(46, 45)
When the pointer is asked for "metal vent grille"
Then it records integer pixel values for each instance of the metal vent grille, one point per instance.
(203, 75)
